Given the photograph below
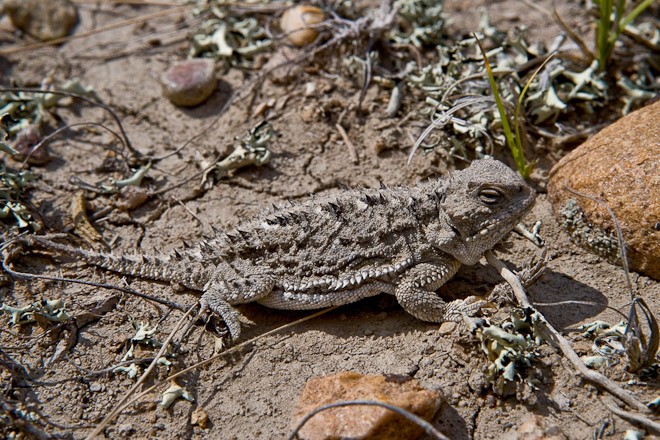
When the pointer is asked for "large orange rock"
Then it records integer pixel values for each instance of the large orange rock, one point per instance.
(363, 422)
(620, 166)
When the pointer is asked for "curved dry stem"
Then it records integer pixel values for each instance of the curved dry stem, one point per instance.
(590, 375)
(428, 428)
(66, 127)
(444, 119)
(215, 120)
(105, 107)
(638, 419)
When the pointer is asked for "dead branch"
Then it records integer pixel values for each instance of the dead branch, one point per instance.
(590, 375)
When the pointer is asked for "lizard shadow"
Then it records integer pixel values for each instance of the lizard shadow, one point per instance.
(552, 292)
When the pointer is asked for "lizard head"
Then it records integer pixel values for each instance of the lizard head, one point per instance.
(479, 206)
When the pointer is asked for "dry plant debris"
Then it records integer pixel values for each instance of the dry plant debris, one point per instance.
(248, 150)
(51, 310)
(12, 188)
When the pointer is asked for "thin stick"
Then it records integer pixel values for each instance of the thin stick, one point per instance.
(639, 419)
(510, 278)
(574, 36)
(351, 148)
(590, 375)
(142, 378)
(88, 100)
(67, 127)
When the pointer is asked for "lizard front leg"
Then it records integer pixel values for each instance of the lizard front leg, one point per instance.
(416, 292)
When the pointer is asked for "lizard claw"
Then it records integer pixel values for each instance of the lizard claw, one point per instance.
(469, 306)
(230, 316)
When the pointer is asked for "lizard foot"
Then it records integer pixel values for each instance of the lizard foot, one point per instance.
(230, 316)
(469, 306)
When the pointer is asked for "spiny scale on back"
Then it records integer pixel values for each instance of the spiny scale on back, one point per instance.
(341, 247)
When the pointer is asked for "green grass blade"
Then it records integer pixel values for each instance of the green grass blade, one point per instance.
(528, 168)
(634, 13)
(603, 28)
(615, 30)
(516, 151)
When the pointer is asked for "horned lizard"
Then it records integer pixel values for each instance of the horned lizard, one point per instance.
(338, 248)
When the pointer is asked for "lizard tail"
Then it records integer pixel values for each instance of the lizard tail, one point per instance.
(153, 268)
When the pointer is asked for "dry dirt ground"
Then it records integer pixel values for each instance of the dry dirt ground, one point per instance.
(251, 395)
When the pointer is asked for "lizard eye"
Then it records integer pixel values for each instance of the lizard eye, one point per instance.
(490, 196)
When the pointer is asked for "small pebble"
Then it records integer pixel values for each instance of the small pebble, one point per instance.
(189, 82)
(125, 429)
(25, 142)
(447, 327)
(199, 418)
(295, 22)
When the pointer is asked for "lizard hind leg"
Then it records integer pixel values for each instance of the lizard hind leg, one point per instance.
(230, 316)
(220, 296)
(416, 293)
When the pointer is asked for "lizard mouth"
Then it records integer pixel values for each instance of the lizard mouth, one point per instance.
(498, 228)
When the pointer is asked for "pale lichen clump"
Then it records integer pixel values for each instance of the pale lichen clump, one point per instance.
(587, 234)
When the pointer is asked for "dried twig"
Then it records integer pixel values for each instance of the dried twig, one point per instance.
(590, 375)
(351, 148)
(43, 141)
(88, 100)
(638, 419)
(574, 36)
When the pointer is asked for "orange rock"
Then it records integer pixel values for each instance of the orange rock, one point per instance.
(620, 166)
(199, 418)
(363, 422)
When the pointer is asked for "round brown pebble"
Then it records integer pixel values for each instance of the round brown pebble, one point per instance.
(24, 144)
(189, 82)
(620, 166)
(295, 22)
